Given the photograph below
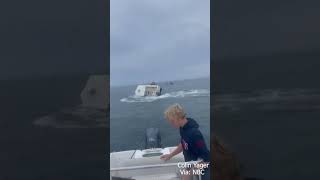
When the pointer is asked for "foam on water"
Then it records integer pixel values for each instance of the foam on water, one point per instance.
(270, 100)
(175, 94)
(76, 117)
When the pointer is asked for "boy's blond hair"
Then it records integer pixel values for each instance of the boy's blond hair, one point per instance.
(175, 111)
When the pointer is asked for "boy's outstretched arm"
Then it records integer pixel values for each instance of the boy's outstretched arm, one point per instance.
(173, 153)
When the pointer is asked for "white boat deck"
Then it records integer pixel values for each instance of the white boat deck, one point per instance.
(139, 165)
(158, 177)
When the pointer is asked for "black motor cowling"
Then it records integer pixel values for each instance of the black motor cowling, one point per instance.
(152, 138)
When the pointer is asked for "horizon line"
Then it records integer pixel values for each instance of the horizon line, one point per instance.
(162, 81)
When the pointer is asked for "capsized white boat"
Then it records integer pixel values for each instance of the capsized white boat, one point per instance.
(92, 111)
(148, 90)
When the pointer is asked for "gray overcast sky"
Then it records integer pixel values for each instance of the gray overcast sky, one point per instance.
(159, 40)
(254, 28)
(52, 38)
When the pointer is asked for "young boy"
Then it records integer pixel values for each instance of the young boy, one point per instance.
(192, 143)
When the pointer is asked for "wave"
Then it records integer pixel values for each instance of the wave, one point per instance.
(176, 94)
(78, 117)
(270, 99)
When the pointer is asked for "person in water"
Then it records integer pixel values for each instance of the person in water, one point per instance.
(192, 143)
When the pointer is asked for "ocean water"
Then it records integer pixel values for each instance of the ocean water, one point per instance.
(130, 115)
(33, 152)
(267, 111)
(274, 132)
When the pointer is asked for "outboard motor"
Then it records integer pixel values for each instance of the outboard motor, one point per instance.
(153, 138)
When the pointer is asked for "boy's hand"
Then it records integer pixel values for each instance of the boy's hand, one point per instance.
(166, 157)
